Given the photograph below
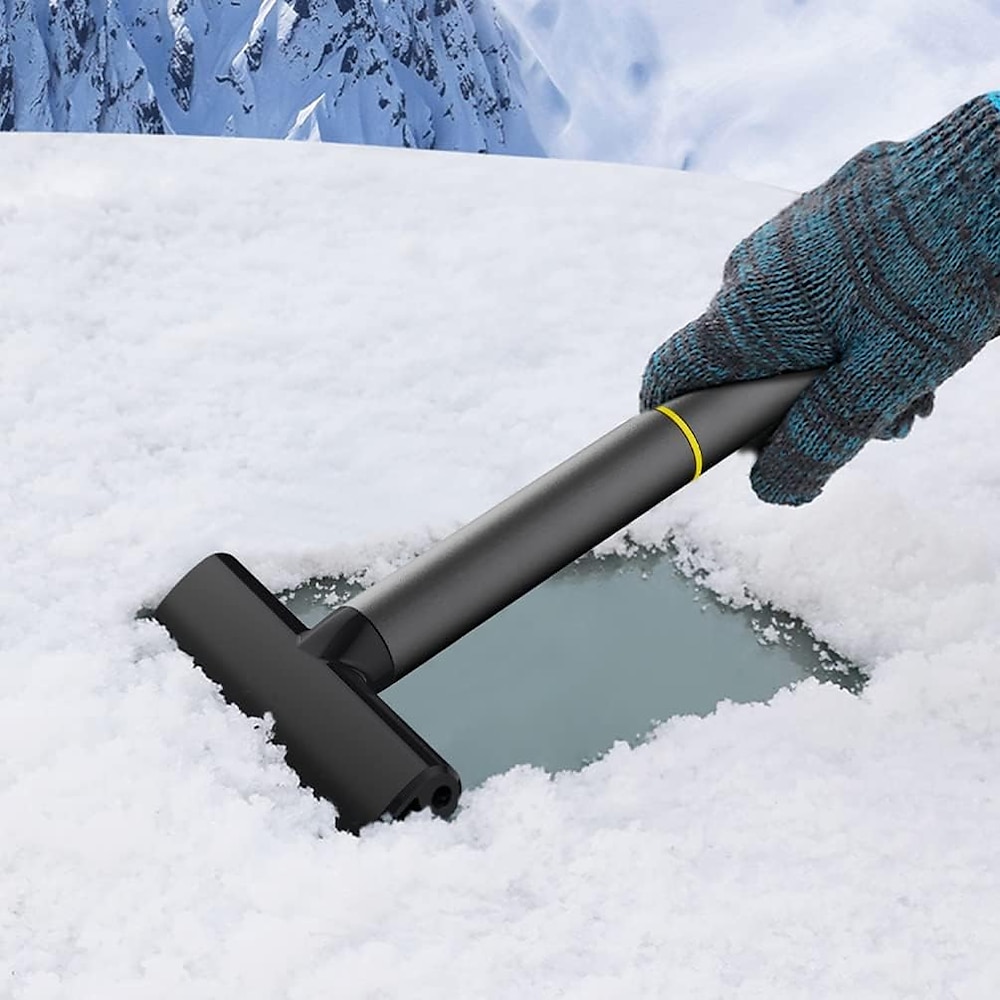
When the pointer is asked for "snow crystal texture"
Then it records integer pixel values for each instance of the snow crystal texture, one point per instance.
(322, 357)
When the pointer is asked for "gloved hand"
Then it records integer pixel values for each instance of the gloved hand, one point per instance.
(887, 275)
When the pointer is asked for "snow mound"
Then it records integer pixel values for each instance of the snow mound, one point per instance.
(322, 357)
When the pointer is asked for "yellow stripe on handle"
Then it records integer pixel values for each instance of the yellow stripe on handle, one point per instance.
(689, 434)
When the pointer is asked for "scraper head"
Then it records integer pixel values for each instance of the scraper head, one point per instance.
(341, 739)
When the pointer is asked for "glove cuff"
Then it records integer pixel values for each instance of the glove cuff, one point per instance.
(955, 166)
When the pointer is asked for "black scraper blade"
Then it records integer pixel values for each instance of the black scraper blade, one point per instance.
(341, 739)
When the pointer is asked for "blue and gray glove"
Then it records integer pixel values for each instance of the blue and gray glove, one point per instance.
(887, 276)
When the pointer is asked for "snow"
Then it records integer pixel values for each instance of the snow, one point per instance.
(321, 357)
(779, 91)
(393, 72)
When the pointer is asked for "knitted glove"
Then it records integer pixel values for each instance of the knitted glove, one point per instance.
(887, 276)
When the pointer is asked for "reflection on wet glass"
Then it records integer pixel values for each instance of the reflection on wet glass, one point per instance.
(599, 653)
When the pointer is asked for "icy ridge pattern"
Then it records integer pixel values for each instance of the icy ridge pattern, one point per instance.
(432, 74)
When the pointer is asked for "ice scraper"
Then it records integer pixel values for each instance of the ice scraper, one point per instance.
(322, 684)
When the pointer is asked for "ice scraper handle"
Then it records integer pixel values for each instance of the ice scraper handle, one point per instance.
(404, 620)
